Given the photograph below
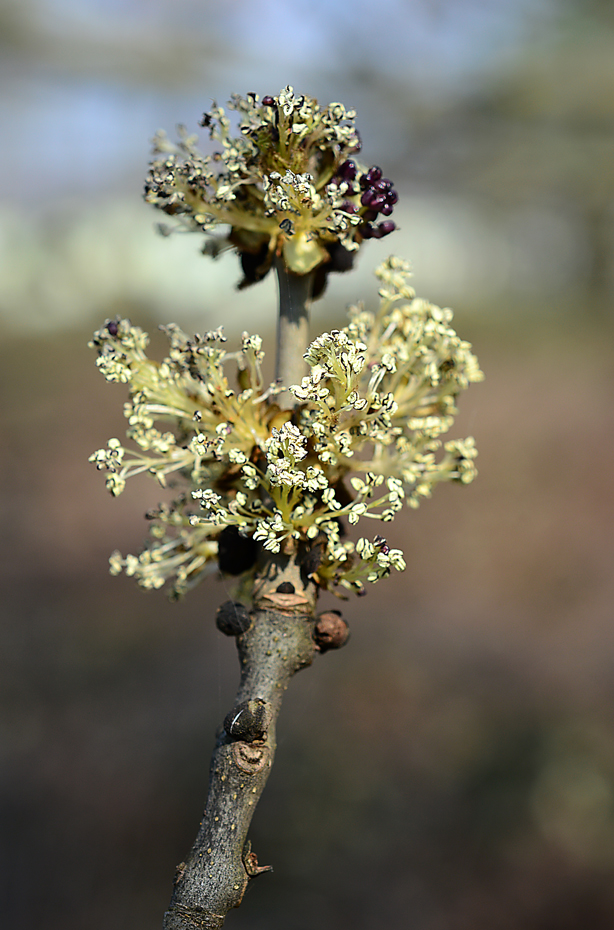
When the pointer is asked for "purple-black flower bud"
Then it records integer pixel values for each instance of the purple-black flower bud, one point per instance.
(268, 101)
(386, 228)
(374, 174)
(112, 328)
(378, 202)
(387, 209)
(392, 196)
(368, 197)
(347, 171)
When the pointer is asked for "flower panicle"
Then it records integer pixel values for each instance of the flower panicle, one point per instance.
(288, 184)
(364, 441)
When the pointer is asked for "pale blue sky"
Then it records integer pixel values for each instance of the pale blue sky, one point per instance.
(74, 124)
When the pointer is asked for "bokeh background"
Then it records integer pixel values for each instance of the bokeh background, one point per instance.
(453, 767)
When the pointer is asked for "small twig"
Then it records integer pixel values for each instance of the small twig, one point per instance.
(277, 642)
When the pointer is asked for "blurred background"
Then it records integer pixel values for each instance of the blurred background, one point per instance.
(453, 767)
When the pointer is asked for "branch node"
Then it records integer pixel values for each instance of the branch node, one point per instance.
(250, 861)
(251, 758)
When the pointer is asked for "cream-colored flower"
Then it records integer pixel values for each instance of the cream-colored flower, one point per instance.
(365, 440)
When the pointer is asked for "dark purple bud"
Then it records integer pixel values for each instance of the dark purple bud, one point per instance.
(347, 171)
(368, 197)
(386, 228)
(383, 185)
(268, 101)
(233, 618)
(376, 233)
(112, 328)
(378, 202)
(392, 196)
(374, 174)
(367, 231)
(387, 209)
(369, 215)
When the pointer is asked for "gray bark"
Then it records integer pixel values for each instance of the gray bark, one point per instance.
(277, 643)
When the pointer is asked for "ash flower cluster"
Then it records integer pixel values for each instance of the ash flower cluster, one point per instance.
(364, 440)
(287, 185)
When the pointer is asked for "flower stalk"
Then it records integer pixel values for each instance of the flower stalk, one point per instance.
(292, 328)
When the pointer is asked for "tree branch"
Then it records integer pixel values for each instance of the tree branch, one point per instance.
(274, 642)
